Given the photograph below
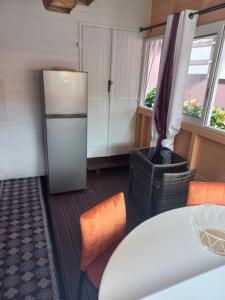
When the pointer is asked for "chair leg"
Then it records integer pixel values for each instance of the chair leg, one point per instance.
(80, 286)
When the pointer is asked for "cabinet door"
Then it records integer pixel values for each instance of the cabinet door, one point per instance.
(126, 65)
(97, 62)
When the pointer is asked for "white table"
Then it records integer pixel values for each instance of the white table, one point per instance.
(206, 286)
(157, 254)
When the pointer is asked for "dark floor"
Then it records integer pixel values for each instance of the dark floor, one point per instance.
(65, 210)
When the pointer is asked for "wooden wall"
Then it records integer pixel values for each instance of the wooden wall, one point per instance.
(32, 39)
(202, 146)
(162, 8)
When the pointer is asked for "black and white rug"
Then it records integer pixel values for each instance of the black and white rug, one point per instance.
(27, 268)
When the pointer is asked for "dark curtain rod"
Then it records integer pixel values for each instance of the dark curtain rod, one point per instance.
(191, 15)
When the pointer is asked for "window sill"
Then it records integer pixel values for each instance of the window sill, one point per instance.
(214, 134)
(145, 108)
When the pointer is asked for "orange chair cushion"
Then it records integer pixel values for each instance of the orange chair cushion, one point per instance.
(206, 193)
(96, 269)
(101, 227)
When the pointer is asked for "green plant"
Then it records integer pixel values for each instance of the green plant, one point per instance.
(218, 118)
(192, 107)
(150, 98)
(193, 111)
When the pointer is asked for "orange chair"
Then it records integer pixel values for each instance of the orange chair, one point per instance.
(206, 193)
(102, 228)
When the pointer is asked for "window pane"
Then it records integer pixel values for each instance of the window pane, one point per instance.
(198, 73)
(217, 114)
(154, 55)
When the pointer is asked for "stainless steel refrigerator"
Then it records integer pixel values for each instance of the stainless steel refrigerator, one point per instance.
(65, 111)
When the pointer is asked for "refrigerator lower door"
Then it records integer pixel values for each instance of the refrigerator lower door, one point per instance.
(67, 154)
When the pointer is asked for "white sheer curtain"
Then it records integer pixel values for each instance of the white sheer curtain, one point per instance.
(153, 50)
(153, 61)
(185, 35)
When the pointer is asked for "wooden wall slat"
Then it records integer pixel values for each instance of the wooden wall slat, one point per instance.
(161, 9)
(203, 147)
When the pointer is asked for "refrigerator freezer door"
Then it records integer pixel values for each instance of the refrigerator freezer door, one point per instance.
(67, 153)
(65, 92)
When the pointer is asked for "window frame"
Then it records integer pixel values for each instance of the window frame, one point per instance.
(217, 28)
(201, 31)
(214, 82)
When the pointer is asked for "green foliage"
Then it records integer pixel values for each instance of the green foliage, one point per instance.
(193, 108)
(150, 98)
(218, 118)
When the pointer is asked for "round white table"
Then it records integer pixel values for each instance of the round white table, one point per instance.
(157, 254)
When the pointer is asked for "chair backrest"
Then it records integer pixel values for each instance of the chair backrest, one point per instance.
(171, 191)
(206, 193)
(101, 227)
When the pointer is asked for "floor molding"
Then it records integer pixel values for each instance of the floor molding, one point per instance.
(98, 163)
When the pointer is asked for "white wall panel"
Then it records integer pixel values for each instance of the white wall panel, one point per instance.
(32, 39)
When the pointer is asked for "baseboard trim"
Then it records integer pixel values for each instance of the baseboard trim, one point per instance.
(98, 163)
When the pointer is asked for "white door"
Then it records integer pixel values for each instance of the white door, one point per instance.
(125, 75)
(97, 62)
(116, 55)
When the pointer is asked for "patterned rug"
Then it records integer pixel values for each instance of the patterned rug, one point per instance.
(26, 262)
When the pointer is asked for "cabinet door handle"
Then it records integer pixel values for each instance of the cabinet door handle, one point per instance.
(110, 82)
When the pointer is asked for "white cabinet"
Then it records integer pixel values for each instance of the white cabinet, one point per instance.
(114, 55)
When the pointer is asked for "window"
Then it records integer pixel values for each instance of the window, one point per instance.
(204, 100)
(216, 114)
(198, 75)
(152, 55)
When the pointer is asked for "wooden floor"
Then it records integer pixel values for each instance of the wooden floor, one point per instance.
(65, 210)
